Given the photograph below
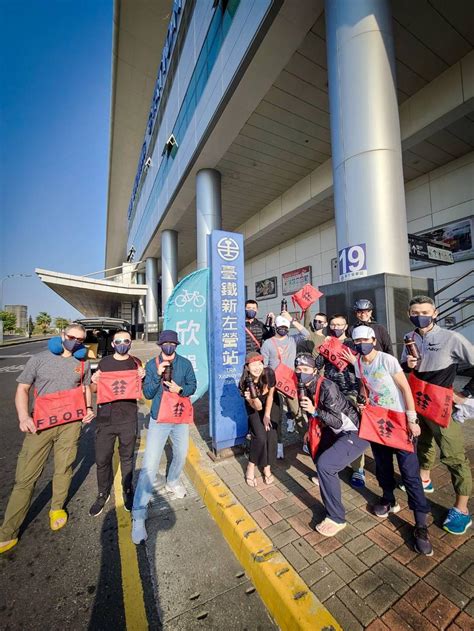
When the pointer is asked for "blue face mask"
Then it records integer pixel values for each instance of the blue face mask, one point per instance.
(336, 332)
(364, 348)
(282, 330)
(421, 322)
(121, 349)
(250, 314)
(318, 326)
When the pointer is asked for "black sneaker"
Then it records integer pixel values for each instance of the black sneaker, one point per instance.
(384, 508)
(98, 506)
(128, 500)
(422, 542)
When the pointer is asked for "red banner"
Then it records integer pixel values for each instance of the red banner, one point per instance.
(305, 297)
(433, 402)
(386, 427)
(331, 349)
(315, 426)
(59, 408)
(117, 385)
(175, 409)
(286, 380)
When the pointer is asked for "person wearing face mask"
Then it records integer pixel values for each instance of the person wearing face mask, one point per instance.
(257, 385)
(363, 310)
(117, 415)
(339, 443)
(317, 327)
(256, 332)
(169, 382)
(62, 372)
(384, 384)
(345, 379)
(282, 348)
(431, 378)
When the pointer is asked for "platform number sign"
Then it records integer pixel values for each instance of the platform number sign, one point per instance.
(352, 262)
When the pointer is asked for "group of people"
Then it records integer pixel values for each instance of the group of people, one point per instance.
(329, 381)
(63, 389)
(352, 394)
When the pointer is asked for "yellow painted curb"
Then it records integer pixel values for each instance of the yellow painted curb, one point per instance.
(289, 600)
(132, 590)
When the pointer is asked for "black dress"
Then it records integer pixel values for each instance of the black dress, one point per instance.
(263, 444)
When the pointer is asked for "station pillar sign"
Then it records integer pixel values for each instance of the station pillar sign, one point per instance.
(228, 418)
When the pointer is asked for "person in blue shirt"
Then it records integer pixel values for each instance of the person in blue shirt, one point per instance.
(169, 379)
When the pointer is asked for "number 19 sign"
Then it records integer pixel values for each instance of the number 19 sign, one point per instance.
(352, 262)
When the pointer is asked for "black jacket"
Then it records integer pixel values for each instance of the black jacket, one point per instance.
(333, 405)
(383, 341)
(259, 331)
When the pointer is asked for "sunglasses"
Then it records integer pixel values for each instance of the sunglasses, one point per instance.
(320, 321)
(119, 341)
(76, 339)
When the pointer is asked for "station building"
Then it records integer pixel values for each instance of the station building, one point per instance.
(324, 132)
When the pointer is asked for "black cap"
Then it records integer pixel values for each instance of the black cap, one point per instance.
(168, 336)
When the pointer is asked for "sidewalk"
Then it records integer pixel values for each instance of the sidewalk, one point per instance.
(368, 576)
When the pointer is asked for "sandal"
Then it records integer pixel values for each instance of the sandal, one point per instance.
(269, 479)
(55, 516)
(8, 545)
(251, 481)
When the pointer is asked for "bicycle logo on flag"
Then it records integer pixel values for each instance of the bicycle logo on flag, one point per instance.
(186, 297)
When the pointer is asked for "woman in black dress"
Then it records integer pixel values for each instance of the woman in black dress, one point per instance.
(262, 403)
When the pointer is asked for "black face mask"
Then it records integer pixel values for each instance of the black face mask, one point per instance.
(318, 326)
(250, 314)
(336, 332)
(282, 330)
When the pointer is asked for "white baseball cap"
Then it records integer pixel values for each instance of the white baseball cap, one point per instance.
(362, 332)
(282, 321)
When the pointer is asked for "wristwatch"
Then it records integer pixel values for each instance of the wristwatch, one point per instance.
(89, 407)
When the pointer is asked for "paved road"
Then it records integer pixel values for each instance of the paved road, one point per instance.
(73, 578)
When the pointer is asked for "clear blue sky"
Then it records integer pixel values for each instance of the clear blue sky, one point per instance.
(55, 58)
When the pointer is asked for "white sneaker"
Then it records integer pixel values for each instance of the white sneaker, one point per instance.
(178, 490)
(290, 425)
(139, 532)
(280, 454)
(306, 449)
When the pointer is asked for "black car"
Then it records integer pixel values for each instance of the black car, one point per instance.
(99, 335)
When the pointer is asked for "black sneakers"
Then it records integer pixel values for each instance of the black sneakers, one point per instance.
(128, 500)
(422, 542)
(98, 506)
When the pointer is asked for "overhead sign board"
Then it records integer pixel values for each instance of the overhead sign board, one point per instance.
(421, 249)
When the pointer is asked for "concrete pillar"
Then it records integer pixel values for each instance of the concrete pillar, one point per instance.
(141, 280)
(369, 194)
(169, 264)
(208, 211)
(152, 293)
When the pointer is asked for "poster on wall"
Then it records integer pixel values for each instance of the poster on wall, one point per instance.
(266, 288)
(295, 280)
(457, 235)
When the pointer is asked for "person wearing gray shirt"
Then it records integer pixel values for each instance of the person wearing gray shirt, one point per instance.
(53, 371)
(283, 347)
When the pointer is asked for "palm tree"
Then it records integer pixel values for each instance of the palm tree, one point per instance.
(61, 323)
(43, 320)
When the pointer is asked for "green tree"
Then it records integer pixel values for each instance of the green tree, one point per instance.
(61, 323)
(43, 320)
(9, 320)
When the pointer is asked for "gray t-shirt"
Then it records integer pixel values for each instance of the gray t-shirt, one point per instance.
(53, 373)
(287, 346)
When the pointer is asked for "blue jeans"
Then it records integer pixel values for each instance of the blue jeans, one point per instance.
(157, 436)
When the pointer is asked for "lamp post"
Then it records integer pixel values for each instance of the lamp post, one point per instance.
(6, 278)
